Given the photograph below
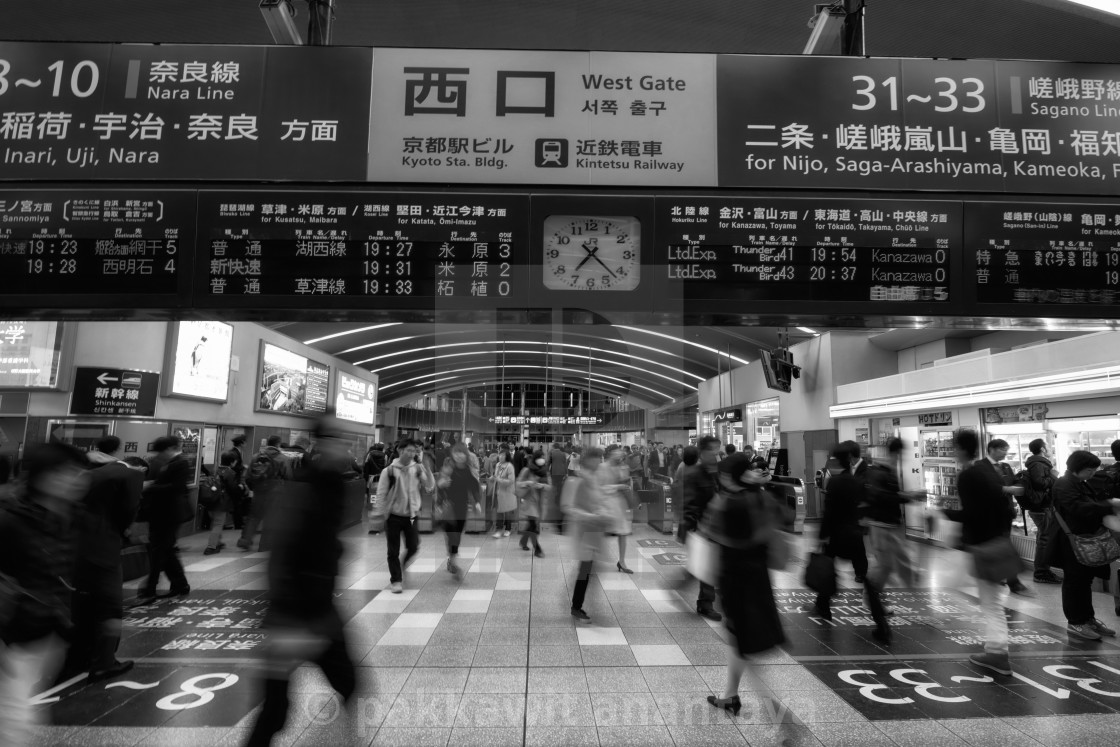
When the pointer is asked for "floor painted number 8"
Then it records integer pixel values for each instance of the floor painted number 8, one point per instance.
(202, 695)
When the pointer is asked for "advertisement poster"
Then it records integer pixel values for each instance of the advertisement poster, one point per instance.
(201, 364)
(355, 400)
(290, 383)
(29, 354)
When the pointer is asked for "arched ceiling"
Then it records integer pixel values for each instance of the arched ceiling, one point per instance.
(649, 366)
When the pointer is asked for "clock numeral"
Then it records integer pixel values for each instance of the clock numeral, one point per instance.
(607, 280)
(561, 269)
(623, 238)
(553, 253)
(592, 225)
(591, 282)
(628, 254)
(563, 239)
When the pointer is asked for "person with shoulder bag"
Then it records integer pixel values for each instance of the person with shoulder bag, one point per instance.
(1085, 547)
(841, 534)
(743, 520)
(699, 486)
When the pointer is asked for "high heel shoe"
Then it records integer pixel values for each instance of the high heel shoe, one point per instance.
(732, 704)
(622, 568)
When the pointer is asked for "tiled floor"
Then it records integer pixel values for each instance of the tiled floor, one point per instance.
(496, 659)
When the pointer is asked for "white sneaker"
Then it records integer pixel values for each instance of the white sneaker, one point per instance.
(505, 533)
(496, 535)
(396, 587)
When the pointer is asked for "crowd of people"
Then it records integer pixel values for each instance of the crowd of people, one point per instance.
(65, 521)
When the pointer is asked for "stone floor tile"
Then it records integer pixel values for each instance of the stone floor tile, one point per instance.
(496, 680)
(625, 709)
(423, 709)
(552, 736)
(557, 680)
(919, 733)
(488, 737)
(635, 736)
(615, 680)
(501, 656)
(707, 736)
(487, 710)
(437, 680)
(608, 656)
(850, 735)
(554, 656)
(559, 709)
(984, 732)
(412, 737)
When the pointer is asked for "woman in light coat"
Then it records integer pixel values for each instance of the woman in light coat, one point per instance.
(589, 513)
(505, 495)
(532, 485)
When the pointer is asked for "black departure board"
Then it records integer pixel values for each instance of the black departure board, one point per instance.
(97, 247)
(300, 248)
(1052, 253)
(871, 252)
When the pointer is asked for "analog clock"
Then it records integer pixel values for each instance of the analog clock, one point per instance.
(592, 252)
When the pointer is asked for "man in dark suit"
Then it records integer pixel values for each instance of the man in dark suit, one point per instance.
(1001, 470)
(167, 505)
(107, 511)
(239, 501)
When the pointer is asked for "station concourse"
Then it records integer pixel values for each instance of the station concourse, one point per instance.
(329, 227)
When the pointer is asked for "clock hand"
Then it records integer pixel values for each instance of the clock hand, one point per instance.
(605, 267)
(588, 258)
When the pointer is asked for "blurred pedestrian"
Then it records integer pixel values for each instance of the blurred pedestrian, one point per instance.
(985, 515)
(841, 535)
(533, 489)
(397, 505)
(744, 519)
(239, 502)
(105, 514)
(614, 481)
(166, 505)
(505, 495)
(588, 512)
(458, 491)
(36, 558)
(302, 623)
(224, 502)
(265, 476)
(699, 487)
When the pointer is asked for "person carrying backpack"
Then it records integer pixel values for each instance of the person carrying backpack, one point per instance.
(218, 494)
(265, 476)
(397, 505)
(1038, 503)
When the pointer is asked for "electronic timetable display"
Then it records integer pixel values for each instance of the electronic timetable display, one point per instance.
(98, 247)
(874, 252)
(362, 249)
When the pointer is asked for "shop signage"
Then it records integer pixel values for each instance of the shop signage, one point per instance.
(729, 416)
(30, 353)
(139, 111)
(1016, 414)
(114, 392)
(532, 117)
(938, 419)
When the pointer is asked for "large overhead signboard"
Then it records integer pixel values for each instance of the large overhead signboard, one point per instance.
(132, 111)
(957, 125)
(363, 249)
(95, 247)
(527, 117)
(804, 251)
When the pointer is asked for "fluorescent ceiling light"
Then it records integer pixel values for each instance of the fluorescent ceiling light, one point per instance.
(535, 352)
(1108, 6)
(628, 356)
(1099, 381)
(808, 331)
(685, 342)
(373, 345)
(350, 332)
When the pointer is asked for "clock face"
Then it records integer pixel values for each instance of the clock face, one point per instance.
(592, 252)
